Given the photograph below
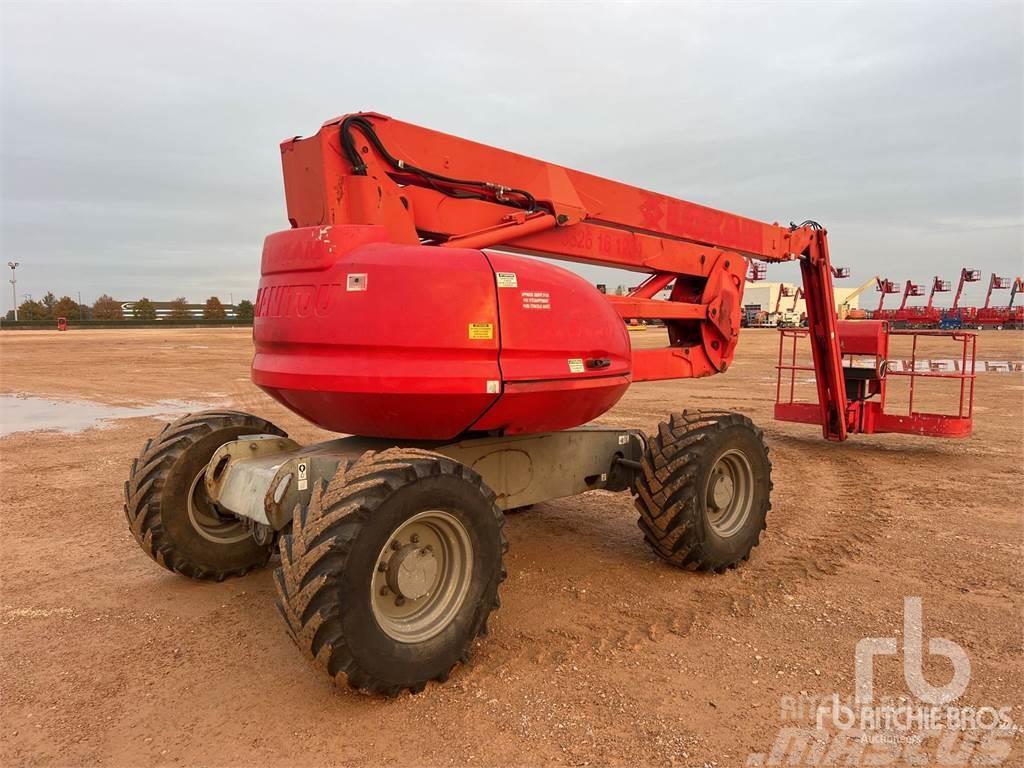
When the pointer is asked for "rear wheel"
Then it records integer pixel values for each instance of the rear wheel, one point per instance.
(168, 510)
(391, 570)
(703, 490)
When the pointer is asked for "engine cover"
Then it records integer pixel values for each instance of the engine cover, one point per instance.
(363, 336)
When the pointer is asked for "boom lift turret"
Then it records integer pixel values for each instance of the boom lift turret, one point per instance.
(398, 310)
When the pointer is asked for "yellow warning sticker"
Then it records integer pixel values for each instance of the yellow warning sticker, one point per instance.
(481, 331)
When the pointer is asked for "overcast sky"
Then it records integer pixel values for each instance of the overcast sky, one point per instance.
(140, 140)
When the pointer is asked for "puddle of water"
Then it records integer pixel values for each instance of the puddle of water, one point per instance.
(23, 413)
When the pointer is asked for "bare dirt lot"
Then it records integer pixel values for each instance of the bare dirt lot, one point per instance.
(600, 654)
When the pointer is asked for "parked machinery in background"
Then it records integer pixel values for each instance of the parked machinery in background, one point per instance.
(1014, 313)
(885, 287)
(932, 315)
(845, 310)
(778, 318)
(989, 316)
(904, 316)
(956, 316)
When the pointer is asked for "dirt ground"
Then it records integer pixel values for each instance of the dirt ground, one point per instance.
(600, 653)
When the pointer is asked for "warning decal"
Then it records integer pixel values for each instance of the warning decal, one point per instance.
(481, 331)
(576, 365)
(303, 473)
(507, 280)
(536, 300)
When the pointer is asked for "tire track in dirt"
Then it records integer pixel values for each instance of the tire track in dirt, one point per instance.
(821, 516)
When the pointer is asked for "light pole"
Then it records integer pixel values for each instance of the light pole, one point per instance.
(14, 287)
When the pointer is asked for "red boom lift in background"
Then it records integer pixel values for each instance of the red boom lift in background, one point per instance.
(957, 316)
(397, 309)
(885, 288)
(1014, 314)
(903, 317)
(932, 316)
(989, 316)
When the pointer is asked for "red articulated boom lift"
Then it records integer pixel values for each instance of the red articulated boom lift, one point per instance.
(956, 316)
(397, 310)
(885, 288)
(989, 316)
(1015, 314)
(931, 316)
(903, 317)
(785, 291)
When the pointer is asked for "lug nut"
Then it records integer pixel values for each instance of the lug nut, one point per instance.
(396, 545)
(384, 591)
(414, 538)
(382, 567)
(399, 600)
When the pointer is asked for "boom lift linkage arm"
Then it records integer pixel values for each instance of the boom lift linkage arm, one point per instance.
(369, 169)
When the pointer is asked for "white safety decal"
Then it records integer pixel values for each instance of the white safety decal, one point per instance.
(536, 300)
(507, 280)
(356, 281)
(493, 387)
(576, 365)
(303, 472)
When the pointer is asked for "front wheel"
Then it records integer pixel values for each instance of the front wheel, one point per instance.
(391, 570)
(703, 490)
(168, 510)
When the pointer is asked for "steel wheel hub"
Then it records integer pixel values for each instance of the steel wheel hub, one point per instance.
(422, 577)
(412, 571)
(205, 519)
(730, 493)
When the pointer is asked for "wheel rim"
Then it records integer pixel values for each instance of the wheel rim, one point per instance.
(729, 493)
(422, 576)
(206, 521)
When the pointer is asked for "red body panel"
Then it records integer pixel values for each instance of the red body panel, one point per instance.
(364, 336)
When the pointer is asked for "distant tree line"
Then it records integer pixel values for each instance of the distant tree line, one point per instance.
(108, 308)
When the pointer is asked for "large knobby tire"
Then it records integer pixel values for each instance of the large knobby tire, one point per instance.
(343, 562)
(704, 489)
(166, 504)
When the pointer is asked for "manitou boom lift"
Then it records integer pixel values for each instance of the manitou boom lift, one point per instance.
(396, 310)
(902, 317)
(956, 316)
(1015, 315)
(885, 288)
(938, 286)
(928, 316)
(989, 316)
(784, 291)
